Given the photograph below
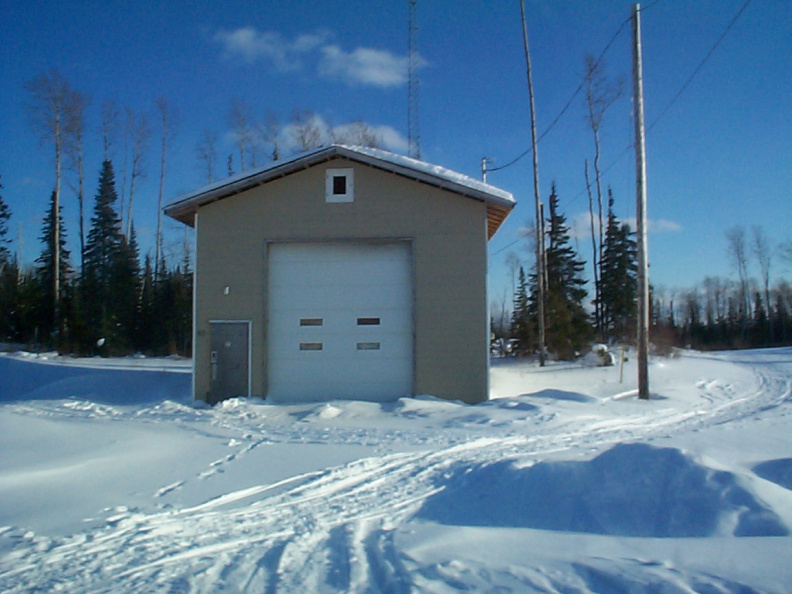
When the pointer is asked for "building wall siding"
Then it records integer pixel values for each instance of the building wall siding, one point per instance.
(448, 235)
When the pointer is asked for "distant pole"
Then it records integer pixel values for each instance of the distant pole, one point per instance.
(540, 273)
(640, 209)
(484, 162)
(413, 101)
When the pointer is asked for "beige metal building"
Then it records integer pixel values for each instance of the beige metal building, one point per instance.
(345, 272)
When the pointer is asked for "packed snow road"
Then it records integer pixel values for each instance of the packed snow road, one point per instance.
(564, 481)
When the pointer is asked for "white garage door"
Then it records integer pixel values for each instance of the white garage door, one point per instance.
(340, 321)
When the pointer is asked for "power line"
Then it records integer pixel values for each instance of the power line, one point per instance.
(681, 90)
(629, 147)
(568, 103)
(701, 64)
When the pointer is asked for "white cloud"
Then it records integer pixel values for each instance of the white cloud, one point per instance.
(365, 66)
(252, 45)
(657, 225)
(392, 140)
(361, 66)
(580, 226)
(388, 137)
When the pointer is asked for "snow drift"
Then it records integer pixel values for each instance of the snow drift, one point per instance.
(613, 494)
(111, 480)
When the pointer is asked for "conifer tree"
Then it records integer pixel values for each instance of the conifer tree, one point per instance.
(5, 215)
(102, 253)
(148, 329)
(46, 268)
(568, 327)
(521, 323)
(125, 279)
(8, 292)
(619, 277)
(183, 281)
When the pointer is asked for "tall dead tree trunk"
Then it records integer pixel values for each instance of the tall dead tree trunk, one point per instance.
(206, 151)
(764, 256)
(166, 117)
(50, 109)
(595, 263)
(139, 135)
(601, 93)
(74, 151)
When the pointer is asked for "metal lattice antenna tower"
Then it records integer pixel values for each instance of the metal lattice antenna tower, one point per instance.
(413, 117)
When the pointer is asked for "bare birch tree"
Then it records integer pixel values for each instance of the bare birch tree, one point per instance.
(305, 130)
(270, 134)
(785, 251)
(594, 261)
(75, 153)
(50, 110)
(357, 133)
(763, 253)
(139, 134)
(601, 94)
(168, 121)
(243, 124)
(110, 117)
(737, 251)
(206, 151)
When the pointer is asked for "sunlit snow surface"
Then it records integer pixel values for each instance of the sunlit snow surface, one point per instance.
(111, 480)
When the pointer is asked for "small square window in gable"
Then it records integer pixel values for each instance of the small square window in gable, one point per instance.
(339, 185)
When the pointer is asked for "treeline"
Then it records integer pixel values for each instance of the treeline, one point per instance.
(714, 316)
(106, 299)
(110, 306)
(723, 313)
(719, 314)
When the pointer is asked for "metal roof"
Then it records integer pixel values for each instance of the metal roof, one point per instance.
(499, 202)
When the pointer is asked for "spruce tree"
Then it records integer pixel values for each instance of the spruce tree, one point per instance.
(148, 328)
(568, 327)
(521, 323)
(125, 276)
(618, 277)
(46, 267)
(5, 215)
(8, 274)
(102, 254)
(183, 281)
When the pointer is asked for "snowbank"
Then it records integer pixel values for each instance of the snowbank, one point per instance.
(112, 481)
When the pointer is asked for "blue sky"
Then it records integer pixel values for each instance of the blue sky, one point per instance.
(719, 157)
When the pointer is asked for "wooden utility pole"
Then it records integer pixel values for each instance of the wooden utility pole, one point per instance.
(640, 209)
(540, 268)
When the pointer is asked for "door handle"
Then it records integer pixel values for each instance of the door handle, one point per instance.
(213, 360)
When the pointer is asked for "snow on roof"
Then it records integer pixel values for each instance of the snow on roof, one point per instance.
(500, 200)
(433, 170)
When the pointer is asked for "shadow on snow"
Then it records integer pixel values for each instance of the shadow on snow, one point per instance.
(630, 490)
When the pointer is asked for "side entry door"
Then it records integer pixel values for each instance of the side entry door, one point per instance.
(229, 360)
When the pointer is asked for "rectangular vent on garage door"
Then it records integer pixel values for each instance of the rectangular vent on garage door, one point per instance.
(311, 321)
(310, 346)
(368, 346)
(368, 321)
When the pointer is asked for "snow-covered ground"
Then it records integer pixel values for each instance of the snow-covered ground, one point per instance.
(111, 480)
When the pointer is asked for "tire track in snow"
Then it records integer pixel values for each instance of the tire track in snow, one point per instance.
(331, 530)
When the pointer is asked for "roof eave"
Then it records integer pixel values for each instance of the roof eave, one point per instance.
(498, 207)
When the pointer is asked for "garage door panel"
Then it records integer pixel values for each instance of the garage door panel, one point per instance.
(340, 321)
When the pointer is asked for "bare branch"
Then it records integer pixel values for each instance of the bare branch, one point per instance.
(110, 117)
(306, 131)
(243, 123)
(206, 150)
